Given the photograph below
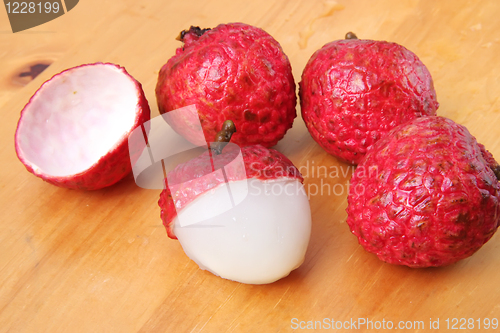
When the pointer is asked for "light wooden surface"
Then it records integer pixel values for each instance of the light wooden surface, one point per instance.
(100, 261)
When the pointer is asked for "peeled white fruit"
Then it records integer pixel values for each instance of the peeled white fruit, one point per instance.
(74, 130)
(260, 240)
(245, 218)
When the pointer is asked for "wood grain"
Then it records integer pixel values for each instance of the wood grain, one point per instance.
(100, 261)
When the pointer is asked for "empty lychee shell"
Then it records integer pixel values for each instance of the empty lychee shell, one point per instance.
(74, 130)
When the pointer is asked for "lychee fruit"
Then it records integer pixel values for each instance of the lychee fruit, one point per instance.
(234, 71)
(353, 91)
(426, 194)
(242, 214)
(74, 130)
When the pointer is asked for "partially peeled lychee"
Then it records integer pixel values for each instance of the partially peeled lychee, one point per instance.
(242, 214)
(74, 130)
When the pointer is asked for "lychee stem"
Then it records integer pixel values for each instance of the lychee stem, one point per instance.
(496, 171)
(223, 137)
(196, 30)
(351, 35)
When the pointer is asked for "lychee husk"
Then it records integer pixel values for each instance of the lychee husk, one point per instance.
(425, 195)
(58, 126)
(188, 178)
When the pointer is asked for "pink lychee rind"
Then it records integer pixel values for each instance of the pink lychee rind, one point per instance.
(352, 92)
(425, 195)
(234, 71)
(186, 179)
(112, 167)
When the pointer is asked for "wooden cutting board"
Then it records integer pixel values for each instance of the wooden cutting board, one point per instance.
(73, 261)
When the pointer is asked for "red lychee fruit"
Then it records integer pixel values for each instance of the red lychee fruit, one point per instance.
(74, 130)
(426, 194)
(242, 215)
(234, 71)
(353, 91)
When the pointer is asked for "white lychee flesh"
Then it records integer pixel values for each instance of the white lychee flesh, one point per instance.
(76, 118)
(261, 239)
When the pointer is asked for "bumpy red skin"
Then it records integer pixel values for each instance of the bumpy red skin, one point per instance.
(353, 91)
(112, 167)
(260, 163)
(234, 71)
(425, 195)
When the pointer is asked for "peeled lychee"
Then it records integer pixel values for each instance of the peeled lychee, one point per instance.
(74, 130)
(426, 194)
(242, 215)
(234, 71)
(353, 91)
